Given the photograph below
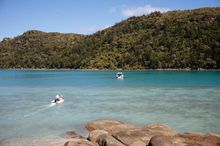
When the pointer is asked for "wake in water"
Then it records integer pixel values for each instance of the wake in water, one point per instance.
(59, 99)
(39, 110)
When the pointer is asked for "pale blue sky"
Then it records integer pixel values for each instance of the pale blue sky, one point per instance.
(80, 16)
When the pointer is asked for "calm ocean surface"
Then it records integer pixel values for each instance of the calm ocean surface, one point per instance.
(185, 100)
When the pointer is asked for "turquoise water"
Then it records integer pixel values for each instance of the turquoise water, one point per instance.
(185, 100)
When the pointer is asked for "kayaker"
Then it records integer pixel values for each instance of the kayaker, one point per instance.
(57, 98)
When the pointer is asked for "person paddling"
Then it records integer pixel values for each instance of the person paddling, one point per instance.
(58, 98)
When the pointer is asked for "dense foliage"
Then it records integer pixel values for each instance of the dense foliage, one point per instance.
(176, 39)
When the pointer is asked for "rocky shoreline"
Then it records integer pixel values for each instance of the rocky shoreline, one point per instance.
(116, 133)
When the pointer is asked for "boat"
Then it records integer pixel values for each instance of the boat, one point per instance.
(119, 75)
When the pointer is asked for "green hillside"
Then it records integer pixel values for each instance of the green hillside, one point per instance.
(176, 39)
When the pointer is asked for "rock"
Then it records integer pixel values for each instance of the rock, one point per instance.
(116, 133)
(185, 139)
(161, 140)
(111, 126)
(214, 134)
(80, 142)
(130, 136)
(197, 139)
(93, 135)
(159, 129)
(108, 140)
(138, 143)
(143, 134)
(72, 134)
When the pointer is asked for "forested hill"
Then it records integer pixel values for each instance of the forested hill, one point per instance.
(176, 39)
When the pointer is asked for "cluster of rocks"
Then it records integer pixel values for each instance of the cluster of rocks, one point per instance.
(116, 133)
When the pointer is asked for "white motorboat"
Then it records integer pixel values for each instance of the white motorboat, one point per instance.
(119, 75)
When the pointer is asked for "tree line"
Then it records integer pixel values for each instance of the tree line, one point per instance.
(175, 39)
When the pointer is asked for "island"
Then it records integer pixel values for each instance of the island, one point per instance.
(180, 39)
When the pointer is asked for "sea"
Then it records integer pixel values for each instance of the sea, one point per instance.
(184, 100)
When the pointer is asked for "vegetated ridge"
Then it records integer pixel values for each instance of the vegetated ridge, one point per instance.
(174, 40)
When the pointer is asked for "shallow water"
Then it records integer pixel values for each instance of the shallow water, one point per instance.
(185, 100)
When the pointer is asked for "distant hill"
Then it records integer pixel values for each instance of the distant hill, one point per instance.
(176, 39)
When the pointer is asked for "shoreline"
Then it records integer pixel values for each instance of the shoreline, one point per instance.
(117, 133)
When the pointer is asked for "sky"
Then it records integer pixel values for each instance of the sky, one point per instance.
(81, 16)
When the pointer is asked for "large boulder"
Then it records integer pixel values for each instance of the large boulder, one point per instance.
(130, 136)
(108, 140)
(161, 140)
(192, 138)
(185, 139)
(159, 129)
(94, 135)
(214, 134)
(143, 134)
(80, 142)
(138, 143)
(111, 126)
(72, 134)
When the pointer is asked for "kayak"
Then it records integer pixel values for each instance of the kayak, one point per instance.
(60, 101)
(55, 103)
